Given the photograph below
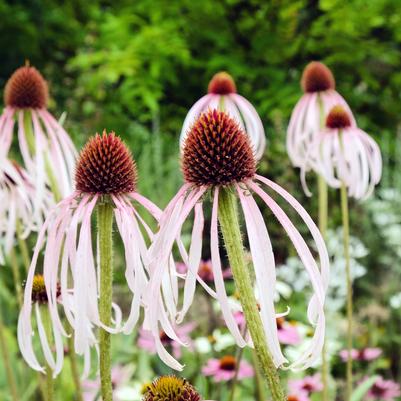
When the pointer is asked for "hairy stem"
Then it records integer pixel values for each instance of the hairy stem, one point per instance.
(345, 220)
(105, 226)
(233, 242)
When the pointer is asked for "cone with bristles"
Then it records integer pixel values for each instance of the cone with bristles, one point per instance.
(338, 118)
(222, 83)
(171, 388)
(105, 166)
(26, 88)
(317, 77)
(39, 293)
(217, 151)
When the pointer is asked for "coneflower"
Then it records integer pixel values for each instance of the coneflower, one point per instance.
(343, 154)
(105, 179)
(171, 388)
(47, 150)
(222, 94)
(46, 331)
(218, 160)
(307, 120)
(349, 159)
(310, 112)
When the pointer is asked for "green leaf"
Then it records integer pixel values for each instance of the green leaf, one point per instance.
(363, 388)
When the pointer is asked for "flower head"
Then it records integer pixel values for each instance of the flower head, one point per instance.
(316, 77)
(222, 83)
(308, 384)
(39, 293)
(105, 166)
(224, 369)
(217, 157)
(384, 390)
(344, 154)
(26, 89)
(338, 118)
(298, 396)
(47, 150)
(222, 94)
(364, 354)
(69, 264)
(309, 114)
(217, 151)
(171, 388)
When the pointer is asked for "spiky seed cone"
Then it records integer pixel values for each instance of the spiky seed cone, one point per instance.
(105, 166)
(222, 83)
(228, 362)
(217, 151)
(171, 388)
(26, 89)
(39, 294)
(338, 118)
(317, 78)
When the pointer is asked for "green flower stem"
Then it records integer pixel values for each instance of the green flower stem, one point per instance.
(238, 358)
(105, 227)
(7, 362)
(323, 217)
(230, 228)
(74, 369)
(49, 371)
(259, 388)
(345, 220)
(16, 276)
(23, 248)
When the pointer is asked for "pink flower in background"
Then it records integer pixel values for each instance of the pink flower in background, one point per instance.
(147, 342)
(222, 94)
(306, 120)
(298, 396)
(217, 154)
(384, 390)
(364, 354)
(224, 369)
(344, 154)
(120, 376)
(308, 384)
(287, 332)
(205, 271)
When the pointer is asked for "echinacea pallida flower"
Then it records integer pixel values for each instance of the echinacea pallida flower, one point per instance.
(311, 110)
(344, 154)
(106, 172)
(222, 94)
(46, 148)
(218, 155)
(17, 197)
